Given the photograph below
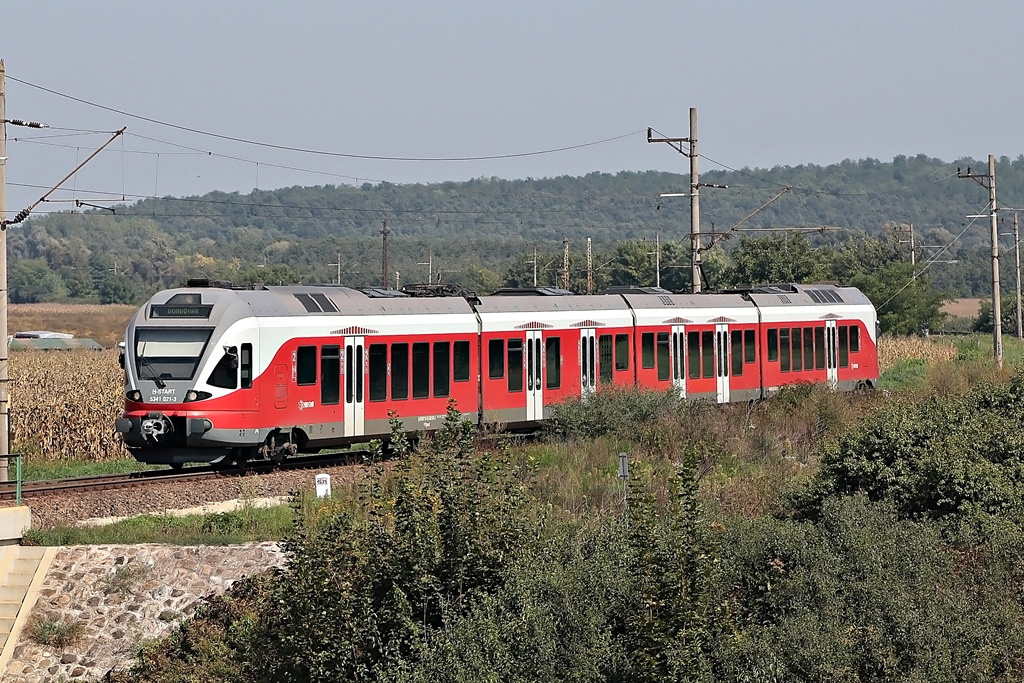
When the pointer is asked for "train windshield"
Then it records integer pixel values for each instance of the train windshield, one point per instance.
(169, 352)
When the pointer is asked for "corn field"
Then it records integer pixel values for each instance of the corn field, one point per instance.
(64, 403)
(891, 350)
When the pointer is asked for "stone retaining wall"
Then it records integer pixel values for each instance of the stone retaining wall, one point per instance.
(122, 595)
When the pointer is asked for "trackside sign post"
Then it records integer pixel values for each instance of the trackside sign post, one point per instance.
(323, 485)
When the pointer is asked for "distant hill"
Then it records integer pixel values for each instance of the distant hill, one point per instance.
(475, 229)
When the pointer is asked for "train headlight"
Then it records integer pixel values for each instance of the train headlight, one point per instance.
(193, 395)
(134, 395)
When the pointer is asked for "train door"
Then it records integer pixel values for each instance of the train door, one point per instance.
(354, 386)
(722, 361)
(678, 360)
(588, 361)
(831, 361)
(534, 376)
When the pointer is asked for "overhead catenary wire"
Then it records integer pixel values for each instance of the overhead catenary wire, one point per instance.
(931, 260)
(320, 152)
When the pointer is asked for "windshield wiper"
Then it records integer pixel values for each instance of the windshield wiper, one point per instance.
(154, 375)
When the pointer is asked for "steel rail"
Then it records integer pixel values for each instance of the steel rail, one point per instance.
(104, 482)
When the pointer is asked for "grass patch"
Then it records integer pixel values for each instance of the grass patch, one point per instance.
(37, 469)
(248, 525)
(55, 634)
(124, 580)
(904, 374)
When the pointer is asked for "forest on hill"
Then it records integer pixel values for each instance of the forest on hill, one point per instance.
(482, 233)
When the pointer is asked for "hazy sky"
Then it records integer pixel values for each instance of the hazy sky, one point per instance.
(775, 83)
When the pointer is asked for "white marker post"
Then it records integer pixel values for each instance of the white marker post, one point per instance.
(323, 485)
(624, 476)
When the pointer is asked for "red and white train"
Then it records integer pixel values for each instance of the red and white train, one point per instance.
(213, 372)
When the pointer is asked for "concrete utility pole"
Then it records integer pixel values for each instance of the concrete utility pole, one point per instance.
(429, 263)
(1016, 263)
(1016, 251)
(384, 272)
(338, 281)
(694, 203)
(534, 262)
(988, 180)
(590, 267)
(693, 194)
(5, 424)
(913, 250)
(657, 259)
(565, 263)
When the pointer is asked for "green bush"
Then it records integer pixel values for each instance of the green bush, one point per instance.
(862, 595)
(628, 413)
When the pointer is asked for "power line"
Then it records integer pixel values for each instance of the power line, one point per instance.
(302, 150)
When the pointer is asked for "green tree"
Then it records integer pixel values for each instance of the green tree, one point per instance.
(32, 281)
(1007, 314)
(785, 258)
(79, 282)
(118, 289)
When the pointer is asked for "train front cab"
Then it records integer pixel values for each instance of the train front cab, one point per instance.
(190, 365)
(703, 346)
(538, 351)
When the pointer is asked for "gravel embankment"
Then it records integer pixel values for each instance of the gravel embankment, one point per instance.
(156, 498)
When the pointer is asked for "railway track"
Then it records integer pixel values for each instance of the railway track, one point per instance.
(105, 482)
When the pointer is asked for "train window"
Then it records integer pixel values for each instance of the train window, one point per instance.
(515, 364)
(808, 348)
(399, 371)
(225, 373)
(693, 349)
(819, 348)
(460, 361)
(708, 343)
(647, 350)
(553, 361)
(330, 375)
(854, 339)
(246, 366)
(677, 356)
(421, 370)
(349, 375)
(378, 372)
(784, 349)
(358, 379)
(737, 353)
(749, 350)
(797, 349)
(622, 352)
(169, 353)
(773, 344)
(305, 360)
(844, 348)
(496, 358)
(604, 350)
(664, 357)
(442, 368)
